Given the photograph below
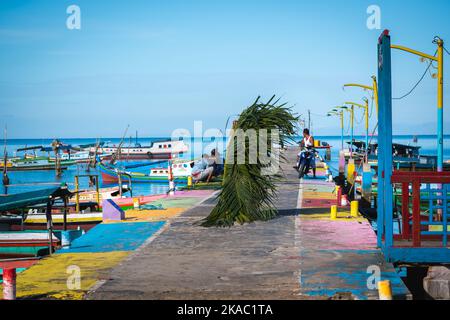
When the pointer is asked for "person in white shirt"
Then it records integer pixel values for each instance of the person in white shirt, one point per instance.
(307, 142)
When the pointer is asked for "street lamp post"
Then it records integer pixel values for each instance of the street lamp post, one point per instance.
(440, 94)
(373, 88)
(366, 112)
(341, 116)
(352, 117)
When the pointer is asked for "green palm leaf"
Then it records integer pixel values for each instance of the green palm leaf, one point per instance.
(248, 194)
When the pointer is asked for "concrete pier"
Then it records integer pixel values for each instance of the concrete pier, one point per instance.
(302, 254)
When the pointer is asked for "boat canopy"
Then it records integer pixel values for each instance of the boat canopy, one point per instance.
(50, 149)
(91, 145)
(21, 200)
(44, 149)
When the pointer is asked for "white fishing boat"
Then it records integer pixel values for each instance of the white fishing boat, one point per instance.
(158, 150)
(79, 157)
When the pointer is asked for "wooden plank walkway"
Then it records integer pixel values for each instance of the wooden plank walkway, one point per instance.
(299, 255)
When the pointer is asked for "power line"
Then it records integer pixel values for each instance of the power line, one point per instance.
(445, 49)
(418, 82)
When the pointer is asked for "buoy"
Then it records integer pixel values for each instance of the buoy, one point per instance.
(9, 284)
(354, 209)
(333, 214)
(384, 290)
(189, 181)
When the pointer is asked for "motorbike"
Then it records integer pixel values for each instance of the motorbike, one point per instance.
(304, 164)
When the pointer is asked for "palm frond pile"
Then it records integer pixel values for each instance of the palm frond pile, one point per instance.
(248, 190)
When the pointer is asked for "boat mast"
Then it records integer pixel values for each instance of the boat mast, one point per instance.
(116, 155)
(56, 145)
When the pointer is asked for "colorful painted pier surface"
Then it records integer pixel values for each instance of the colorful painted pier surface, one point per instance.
(71, 272)
(301, 254)
(339, 258)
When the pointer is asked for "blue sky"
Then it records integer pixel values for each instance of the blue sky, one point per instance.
(161, 65)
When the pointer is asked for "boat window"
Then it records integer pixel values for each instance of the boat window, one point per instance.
(170, 146)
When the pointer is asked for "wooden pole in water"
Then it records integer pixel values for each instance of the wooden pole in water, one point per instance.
(65, 214)
(77, 195)
(5, 179)
(97, 191)
(49, 226)
(119, 178)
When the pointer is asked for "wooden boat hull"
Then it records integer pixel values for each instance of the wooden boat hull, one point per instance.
(36, 168)
(38, 221)
(25, 244)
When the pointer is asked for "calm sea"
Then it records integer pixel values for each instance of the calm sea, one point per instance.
(32, 180)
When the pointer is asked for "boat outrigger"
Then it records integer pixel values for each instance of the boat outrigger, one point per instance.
(181, 171)
(35, 163)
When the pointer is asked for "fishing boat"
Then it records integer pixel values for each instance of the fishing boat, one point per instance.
(25, 244)
(36, 163)
(74, 221)
(79, 157)
(90, 196)
(162, 150)
(8, 163)
(358, 148)
(180, 170)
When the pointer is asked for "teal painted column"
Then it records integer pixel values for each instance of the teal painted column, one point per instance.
(385, 196)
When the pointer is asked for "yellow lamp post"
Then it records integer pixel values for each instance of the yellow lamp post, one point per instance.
(336, 112)
(351, 110)
(440, 92)
(373, 88)
(366, 113)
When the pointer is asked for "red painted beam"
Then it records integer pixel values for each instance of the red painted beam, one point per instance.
(405, 211)
(416, 214)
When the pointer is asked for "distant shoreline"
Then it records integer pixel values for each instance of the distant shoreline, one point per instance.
(406, 136)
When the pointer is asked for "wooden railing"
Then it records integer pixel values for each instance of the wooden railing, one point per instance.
(419, 223)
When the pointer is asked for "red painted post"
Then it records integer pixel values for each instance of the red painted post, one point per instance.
(416, 212)
(405, 211)
(9, 284)
(339, 197)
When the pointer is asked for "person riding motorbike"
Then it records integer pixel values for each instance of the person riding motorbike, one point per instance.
(307, 144)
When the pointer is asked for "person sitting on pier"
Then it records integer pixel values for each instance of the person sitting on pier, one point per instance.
(307, 142)
(202, 170)
(217, 162)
